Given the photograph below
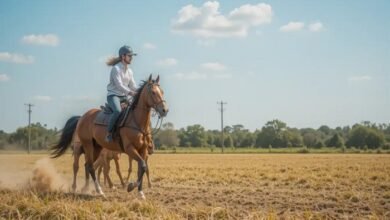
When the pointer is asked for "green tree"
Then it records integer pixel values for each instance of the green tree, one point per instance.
(228, 141)
(194, 135)
(335, 141)
(310, 139)
(292, 137)
(325, 129)
(167, 136)
(41, 137)
(271, 134)
(361, 136)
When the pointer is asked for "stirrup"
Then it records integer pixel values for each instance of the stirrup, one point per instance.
(109, 138)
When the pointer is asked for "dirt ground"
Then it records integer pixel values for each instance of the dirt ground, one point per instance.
(233, 186)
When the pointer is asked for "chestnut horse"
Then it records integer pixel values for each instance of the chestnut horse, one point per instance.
(133, 135)
(103, 163)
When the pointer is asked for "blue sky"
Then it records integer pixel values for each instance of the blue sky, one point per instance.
(307, 63)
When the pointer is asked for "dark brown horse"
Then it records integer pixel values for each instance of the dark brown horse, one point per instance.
(133, 135)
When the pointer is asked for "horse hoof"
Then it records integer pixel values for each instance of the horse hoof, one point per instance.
(142, 195)
(102, 195)
(131, 186)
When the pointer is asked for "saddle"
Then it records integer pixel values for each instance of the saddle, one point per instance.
(103, 117)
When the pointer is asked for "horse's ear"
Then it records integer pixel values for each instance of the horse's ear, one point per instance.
(158, 79)
(150, 78)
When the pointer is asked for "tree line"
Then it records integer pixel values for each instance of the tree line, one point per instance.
(274, 134)
(41, 137)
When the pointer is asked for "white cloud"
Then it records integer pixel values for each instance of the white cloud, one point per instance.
(252, 15)
(292, 26)
(213, 66)
(359, 78)
(41, 39)
(4, 78)
(149, 46)
(194, 75)
(316, 27)
(42, 98)
(207, 21)
(16, 58)
(167, 62)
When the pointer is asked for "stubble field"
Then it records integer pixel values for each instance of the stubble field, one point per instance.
(202, 186)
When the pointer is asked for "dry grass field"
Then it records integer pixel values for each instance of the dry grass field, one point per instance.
(202, 186)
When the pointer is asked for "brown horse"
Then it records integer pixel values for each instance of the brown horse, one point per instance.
(103, 163)
(133, 135)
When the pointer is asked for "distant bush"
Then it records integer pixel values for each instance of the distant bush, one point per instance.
(386, 146)
(303, 150)
(163, 147)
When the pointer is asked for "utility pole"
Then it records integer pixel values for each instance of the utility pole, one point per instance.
(29, 126)
(222, 109)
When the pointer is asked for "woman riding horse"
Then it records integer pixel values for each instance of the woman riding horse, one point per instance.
(133, 135)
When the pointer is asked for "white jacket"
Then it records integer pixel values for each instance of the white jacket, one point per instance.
(121, 81)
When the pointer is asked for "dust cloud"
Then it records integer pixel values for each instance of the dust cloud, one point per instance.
(43, 178)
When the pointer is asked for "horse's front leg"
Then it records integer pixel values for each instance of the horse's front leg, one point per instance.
(142, 167)
(118, 171)
(147, 173)
(130, 169)
(106, 172)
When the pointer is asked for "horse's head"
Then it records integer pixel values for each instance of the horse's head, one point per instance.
(155, 96)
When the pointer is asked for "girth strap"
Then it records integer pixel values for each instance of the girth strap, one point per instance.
(121, 142)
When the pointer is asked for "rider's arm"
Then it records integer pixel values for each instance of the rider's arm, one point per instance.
(132, 85)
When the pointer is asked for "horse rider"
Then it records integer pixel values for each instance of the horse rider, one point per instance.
(122, 85)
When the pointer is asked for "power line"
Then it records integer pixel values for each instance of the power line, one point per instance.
(222, 109)
(29, 125)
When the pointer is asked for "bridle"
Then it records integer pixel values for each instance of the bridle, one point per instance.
(155, 103)
(153, 106)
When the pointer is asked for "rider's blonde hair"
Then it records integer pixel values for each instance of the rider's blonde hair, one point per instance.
(113, 61)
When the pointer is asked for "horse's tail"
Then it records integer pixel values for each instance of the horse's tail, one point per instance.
(66, 137)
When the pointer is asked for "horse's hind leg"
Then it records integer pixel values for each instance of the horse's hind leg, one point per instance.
(89, 158)
(86, 185)
(97, 165)
(76, 160)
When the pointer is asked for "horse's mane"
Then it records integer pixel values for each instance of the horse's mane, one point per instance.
(138, 94)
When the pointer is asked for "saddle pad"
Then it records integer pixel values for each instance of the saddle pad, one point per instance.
(102, 118)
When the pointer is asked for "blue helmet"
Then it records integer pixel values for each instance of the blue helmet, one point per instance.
(126, 50)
